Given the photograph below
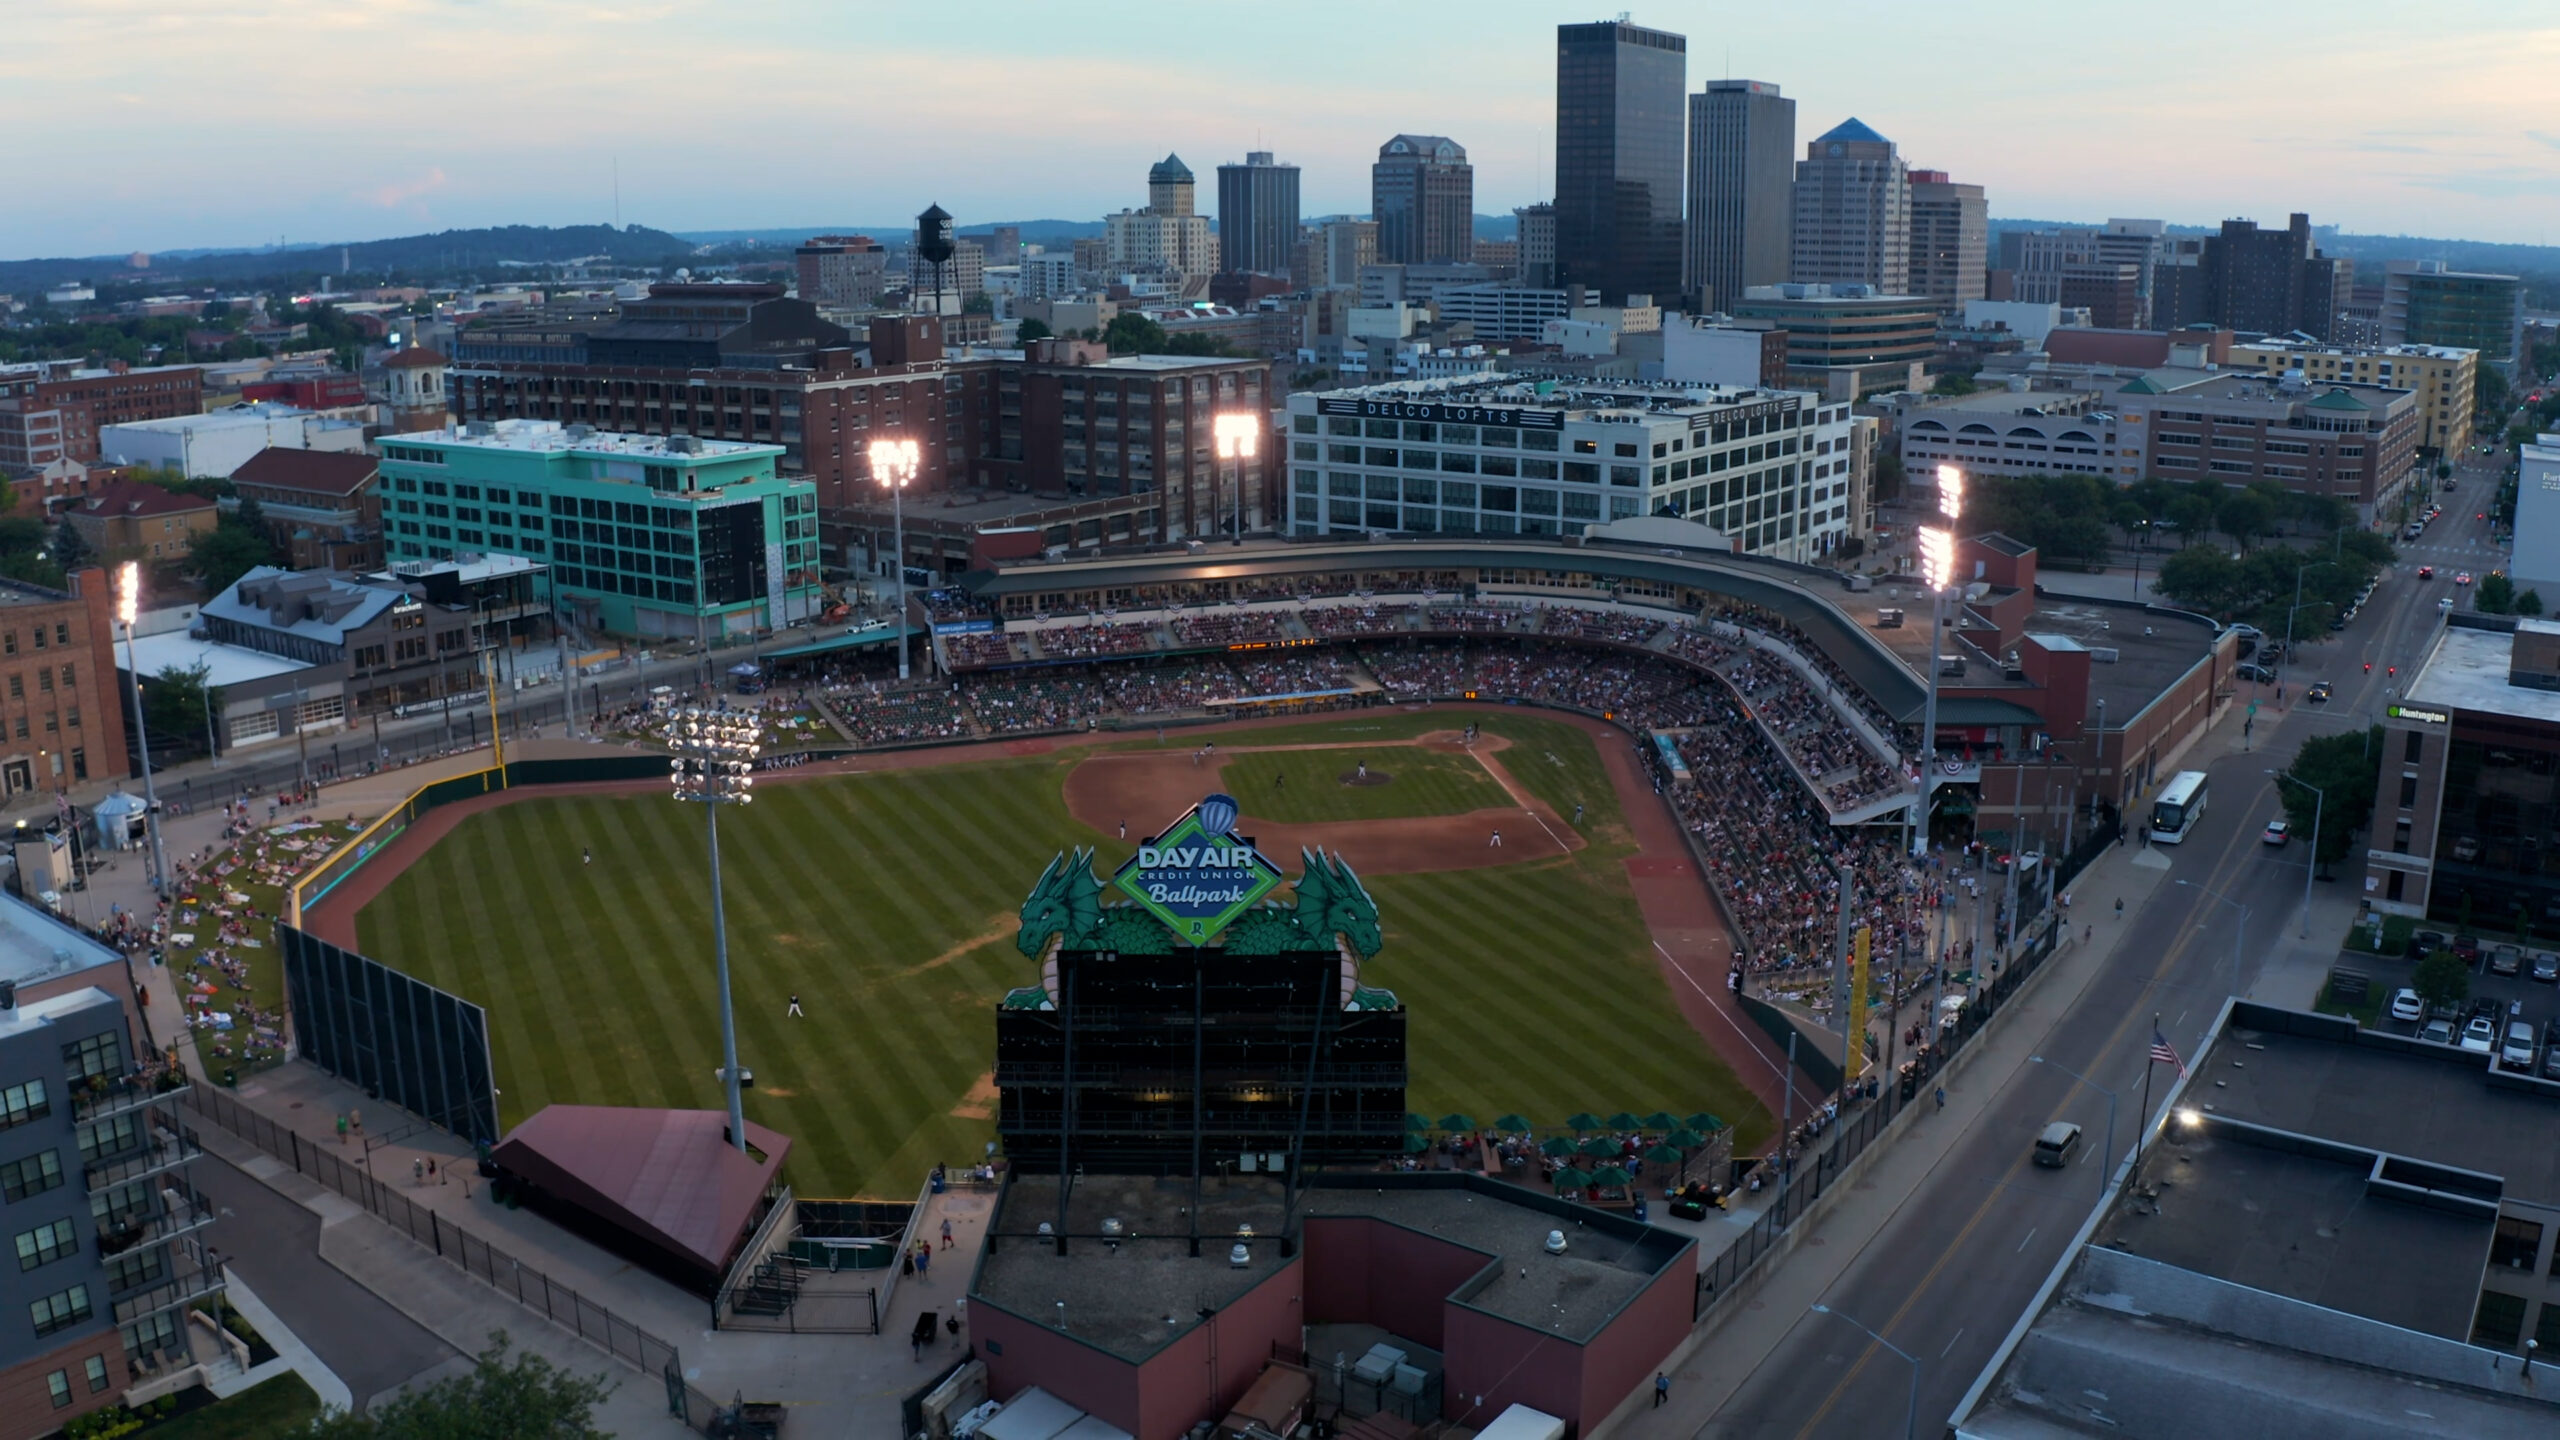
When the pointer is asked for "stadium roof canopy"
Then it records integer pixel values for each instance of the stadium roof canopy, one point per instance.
(662, 1185)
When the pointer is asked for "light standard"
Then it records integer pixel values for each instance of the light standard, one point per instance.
(2287, 662)
(714, 764)
(1911, 1411)
(128, 611)
(1236, 431)
(1937, 571)
(2235, 934)
(2109, 1174)
(2319, 803)
(894, 464)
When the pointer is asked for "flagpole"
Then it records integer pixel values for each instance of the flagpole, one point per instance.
(2149, 1062)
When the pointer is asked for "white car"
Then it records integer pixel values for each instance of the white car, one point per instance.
(2405, 1005)
(2278, 831)
(2480, 1036)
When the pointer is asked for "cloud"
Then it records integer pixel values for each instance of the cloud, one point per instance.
(401, 193)
(2543, 137)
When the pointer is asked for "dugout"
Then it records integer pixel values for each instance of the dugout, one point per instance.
(661, 1188)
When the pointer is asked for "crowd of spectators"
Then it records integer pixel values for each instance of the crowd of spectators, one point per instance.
(1226, 627)
(1331, 621)
(1292, 672)
(891, 717)
(1041, 700)
(1831, 752)
(1168, 688)
(1421, 670)
(1614, 626)
(1085, 641)
(979, 649)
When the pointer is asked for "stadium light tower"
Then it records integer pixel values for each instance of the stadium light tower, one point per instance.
(714, 764)
(1938, 572)
(129, 610)
(1237, 431)
(894, 464)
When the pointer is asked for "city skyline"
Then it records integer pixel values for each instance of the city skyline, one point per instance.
(316, 123)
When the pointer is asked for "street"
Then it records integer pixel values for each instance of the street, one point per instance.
(1962, 1255)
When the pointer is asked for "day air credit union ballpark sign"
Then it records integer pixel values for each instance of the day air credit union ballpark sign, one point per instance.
(1199, 875)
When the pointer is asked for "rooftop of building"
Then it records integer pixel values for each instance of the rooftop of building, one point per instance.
(2250, 385)
(320, 472)
(2306, 345)
(2152, 647)
(2469, 670)
(23, 592)
(552, 437)
(1524, 391)
(139, 499)
(36, 945)
(2003, 402)
(468, 566)
(322, 605)
(1801, 294)
(36, 1014)
(249, 412)
(2304, 1243)
(1850, 130)
(1132, 1298)
(224, 665)
(415, 357)
(1168, 169)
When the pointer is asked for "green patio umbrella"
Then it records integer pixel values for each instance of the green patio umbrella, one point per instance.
(1570, 1178)
(1512, 1125)
(1416, 1122)
(1556, 1147)
(1610, 1177)
(1662, 1120)
(1685, 1139)
(1457, 1121)
(1705, 1123)
(1625, 1120)
(1664, 1155)
(1598, 1147)
(1582, 1120)
(1416, 1144)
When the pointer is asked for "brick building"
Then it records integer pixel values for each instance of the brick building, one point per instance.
(2358, 443)
(60, 712)
(51, 410)
(320, 507)
(135, 519)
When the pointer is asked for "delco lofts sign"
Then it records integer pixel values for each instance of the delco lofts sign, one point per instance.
(1513, 415)
(1199, 876)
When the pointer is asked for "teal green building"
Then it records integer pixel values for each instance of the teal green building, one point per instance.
(644, 535)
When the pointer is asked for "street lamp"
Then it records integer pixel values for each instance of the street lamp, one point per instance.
(714, 765)
(1236, 431)
(2235, 934)
(1911, 1412)
(2111, 1113)
(1937, 571)
(2319, 802)
(894, 464)
(128, 611)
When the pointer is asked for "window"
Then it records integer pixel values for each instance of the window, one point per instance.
(22, 1103)
(47, 1243)
(96, 1368)
(112, 1136)
(66, 677)
(2516, 1243)
(59, 1385)
(69, 1307)
(2408, 791)
(99, 1054)
(2400, 838)
(62, 629)
(2416, 740)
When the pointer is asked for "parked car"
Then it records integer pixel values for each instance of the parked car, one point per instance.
(2516, 1051)
(2506, 960)
(2551, 1049)
(2423, 943)
(2259, 673)
(2466, 948)
(2319, 693)
(2437, 1032)
(2546, 966)
(2480, 1035)
(2426, 572)
(2278, 831)
(2405, 1004)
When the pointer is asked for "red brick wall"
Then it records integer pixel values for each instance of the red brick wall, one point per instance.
(1370, 1272)
(1175, 1387)
(26, 1401)
(1624, 1356)
(1020, 1353)
(1493, 1364)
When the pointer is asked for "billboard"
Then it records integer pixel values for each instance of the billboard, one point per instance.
(421, 1048)
(1198, 876)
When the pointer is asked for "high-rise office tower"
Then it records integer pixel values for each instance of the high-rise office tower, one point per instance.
(1619, 89)
(1949, 229)
(1257, 215)
(1422, 193)
(2271, 282)
(1169, 187)
(1852, 223)
(1537, 245)
(1742, 145)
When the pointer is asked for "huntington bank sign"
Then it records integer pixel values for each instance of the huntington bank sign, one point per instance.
(1199, 875)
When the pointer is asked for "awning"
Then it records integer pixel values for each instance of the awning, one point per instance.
(850, 640)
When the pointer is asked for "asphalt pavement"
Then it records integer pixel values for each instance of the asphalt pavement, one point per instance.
(274, 1244)
(1944, 1269)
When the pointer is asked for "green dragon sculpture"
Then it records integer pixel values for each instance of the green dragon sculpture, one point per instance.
(1065, 911)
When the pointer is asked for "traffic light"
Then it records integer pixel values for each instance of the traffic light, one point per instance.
(2391, 672)
(2368, 667)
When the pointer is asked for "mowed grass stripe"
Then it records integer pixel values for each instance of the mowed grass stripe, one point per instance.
(1416, 782)
(1531, 986)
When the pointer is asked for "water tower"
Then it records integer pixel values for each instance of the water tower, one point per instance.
(934, 246)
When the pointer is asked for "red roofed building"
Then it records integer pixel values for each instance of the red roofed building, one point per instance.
(319, 505)
(662, 1187)
(137, 520)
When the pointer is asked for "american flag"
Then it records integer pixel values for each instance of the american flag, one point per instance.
(2162, 1052)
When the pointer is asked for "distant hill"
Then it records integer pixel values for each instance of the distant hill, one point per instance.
(444, 252)
(893, 232)
(2489, 255)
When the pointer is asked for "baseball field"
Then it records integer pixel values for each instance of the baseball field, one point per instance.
(886, 902)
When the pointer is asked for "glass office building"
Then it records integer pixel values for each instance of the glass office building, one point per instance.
(1621, 130)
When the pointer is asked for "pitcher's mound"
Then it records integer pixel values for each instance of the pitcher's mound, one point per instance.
(1373, 777)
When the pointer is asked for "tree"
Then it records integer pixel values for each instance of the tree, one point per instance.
(2244, 514)
(2192, 510)
(2497, 595)
(1130, 333)
(505, 1397)
(69, 548)
(228, 551)
(2344, 769)
(2441, 980)
(2529, 603)
(1886, 482)
(2201, 577)
(175, 703)
(981, 303)
(1030, 330)
(2489, 394)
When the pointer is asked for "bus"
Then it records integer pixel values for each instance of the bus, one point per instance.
(2181, 804)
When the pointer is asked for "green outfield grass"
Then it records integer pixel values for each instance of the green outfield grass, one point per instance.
(886, 902)
(1420, 782)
